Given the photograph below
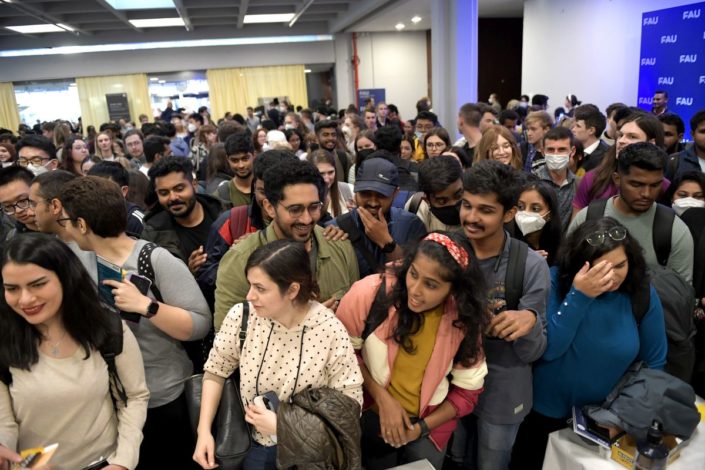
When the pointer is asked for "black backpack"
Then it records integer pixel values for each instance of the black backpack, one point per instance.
(109, 350)
(677, 296)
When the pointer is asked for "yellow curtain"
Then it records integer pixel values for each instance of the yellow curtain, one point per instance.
(9, 114)
(235, 89)
(92, 91)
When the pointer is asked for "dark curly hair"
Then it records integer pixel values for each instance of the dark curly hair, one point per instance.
(576, 251)
(289, 173)
(467, 287)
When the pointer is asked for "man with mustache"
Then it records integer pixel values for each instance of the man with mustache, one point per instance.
(181, 220)
(377, 230)
(241, 154)
(293, 191)
(516, 336)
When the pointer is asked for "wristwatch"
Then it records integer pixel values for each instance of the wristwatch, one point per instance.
(424, 428)
(389, 247)
(152, 309)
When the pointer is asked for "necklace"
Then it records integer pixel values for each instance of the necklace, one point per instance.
(54, 348)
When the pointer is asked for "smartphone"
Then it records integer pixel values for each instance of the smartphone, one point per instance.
(142, 283)
(268, 400)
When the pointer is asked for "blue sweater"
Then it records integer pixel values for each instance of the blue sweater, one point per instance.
(591, 344)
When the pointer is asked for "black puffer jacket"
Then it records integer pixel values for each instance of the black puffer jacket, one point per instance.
(319, 430)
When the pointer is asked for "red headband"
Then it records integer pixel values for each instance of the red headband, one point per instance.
(459, 254)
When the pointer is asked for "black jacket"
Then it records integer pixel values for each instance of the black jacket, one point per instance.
(590, 162)
(319, 430)
(160, 226)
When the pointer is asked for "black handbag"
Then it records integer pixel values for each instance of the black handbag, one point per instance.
(230, 430)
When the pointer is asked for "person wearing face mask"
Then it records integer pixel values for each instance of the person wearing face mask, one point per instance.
(559, 148)
(37, 153)
(535, 222)
(441, 188)
(686, 192)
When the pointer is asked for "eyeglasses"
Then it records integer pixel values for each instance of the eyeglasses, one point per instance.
(62, 221)
(21, 205)
(598, 238)
(36, 160)
(297, 210)
(436, 145)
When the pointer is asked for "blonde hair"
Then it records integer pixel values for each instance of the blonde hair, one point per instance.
(540, 117)
(483, 151)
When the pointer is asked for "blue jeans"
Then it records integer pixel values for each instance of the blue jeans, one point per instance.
(261, 458)
(480, 445)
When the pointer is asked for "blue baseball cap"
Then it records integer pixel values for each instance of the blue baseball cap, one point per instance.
(378, 175)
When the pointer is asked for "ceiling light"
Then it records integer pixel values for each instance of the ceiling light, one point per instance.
(162, 81)
(164, 45)
(273, 18)
(307, 70)
(153, 79)
(416, 19)
(36, 28)
(399, 26)
(63, 26)
(140, 4)
(157, 22)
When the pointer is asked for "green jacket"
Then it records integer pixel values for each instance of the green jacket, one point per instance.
(336, 270)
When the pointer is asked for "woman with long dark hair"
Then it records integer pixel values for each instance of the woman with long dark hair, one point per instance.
(686, 191)
(593, 334)
(293, 342)
(421, 352)
(538, 220)
(75, 152)
(54, 326)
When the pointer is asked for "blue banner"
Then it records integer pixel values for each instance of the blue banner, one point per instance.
(369, 96)
(673, 59)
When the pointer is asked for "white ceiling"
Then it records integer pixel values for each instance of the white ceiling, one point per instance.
(403, 10)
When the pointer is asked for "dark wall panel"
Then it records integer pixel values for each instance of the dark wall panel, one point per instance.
(499, 58)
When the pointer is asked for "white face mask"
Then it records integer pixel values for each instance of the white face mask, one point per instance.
(288, 126)
(680, 205)
(529, 222)
(557, 162)
(191, 127)
(7, 164)
(37, 169)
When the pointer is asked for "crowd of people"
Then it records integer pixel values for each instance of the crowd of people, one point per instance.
(454, 298)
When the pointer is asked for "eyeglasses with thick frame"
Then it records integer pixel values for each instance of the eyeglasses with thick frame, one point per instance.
(297, 210)
(36, 160)
(62, 220)
(22, 204)
(598, 238)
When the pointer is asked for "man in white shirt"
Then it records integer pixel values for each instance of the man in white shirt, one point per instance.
(589, 125)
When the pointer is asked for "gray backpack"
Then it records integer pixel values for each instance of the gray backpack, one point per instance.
(644, 395)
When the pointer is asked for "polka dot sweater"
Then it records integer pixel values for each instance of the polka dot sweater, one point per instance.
(315, 353)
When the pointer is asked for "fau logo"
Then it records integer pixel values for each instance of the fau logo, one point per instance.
(701, 81)
(665, 80)
(672, 39)
(691, 14)
(648, 100)
(649, 61)
(690, 58)
(684, 101)
(650, 20)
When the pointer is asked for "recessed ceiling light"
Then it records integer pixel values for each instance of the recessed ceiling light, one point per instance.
(307, 70)
(416, 19)
(399, 26)
(157, 22)
(153, 79)
(272, 18)
(140, 4)
(36, 28)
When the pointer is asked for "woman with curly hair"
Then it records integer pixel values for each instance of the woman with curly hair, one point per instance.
(420, 351)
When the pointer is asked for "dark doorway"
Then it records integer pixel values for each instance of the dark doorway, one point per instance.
(499, 58)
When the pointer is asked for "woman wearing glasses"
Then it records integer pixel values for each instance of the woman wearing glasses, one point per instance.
(593, 336)
(437, 141)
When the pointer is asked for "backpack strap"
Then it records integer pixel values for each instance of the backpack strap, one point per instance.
(640, 304)
(109, 350)
(349, 226)
(662, 229)
(514, 277)
(145, 268)
(379, 310)
(415, 202)
(596, 209)
(239, 221)
(243, 323)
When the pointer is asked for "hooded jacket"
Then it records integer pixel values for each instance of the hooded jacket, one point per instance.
(320, 429)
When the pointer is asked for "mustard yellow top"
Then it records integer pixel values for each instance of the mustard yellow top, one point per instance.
(408, 370)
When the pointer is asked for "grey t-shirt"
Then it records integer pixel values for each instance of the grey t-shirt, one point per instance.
(166, 364)
(508, 386)
(641, 228)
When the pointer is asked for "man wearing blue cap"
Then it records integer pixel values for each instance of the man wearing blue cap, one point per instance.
(376, 229)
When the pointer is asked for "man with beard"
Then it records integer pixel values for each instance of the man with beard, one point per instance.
(293, 193)
(181, 220)
(327, 136)
(377, 230)
(240, 154)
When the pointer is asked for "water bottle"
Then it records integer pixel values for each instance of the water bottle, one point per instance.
(652, 453)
